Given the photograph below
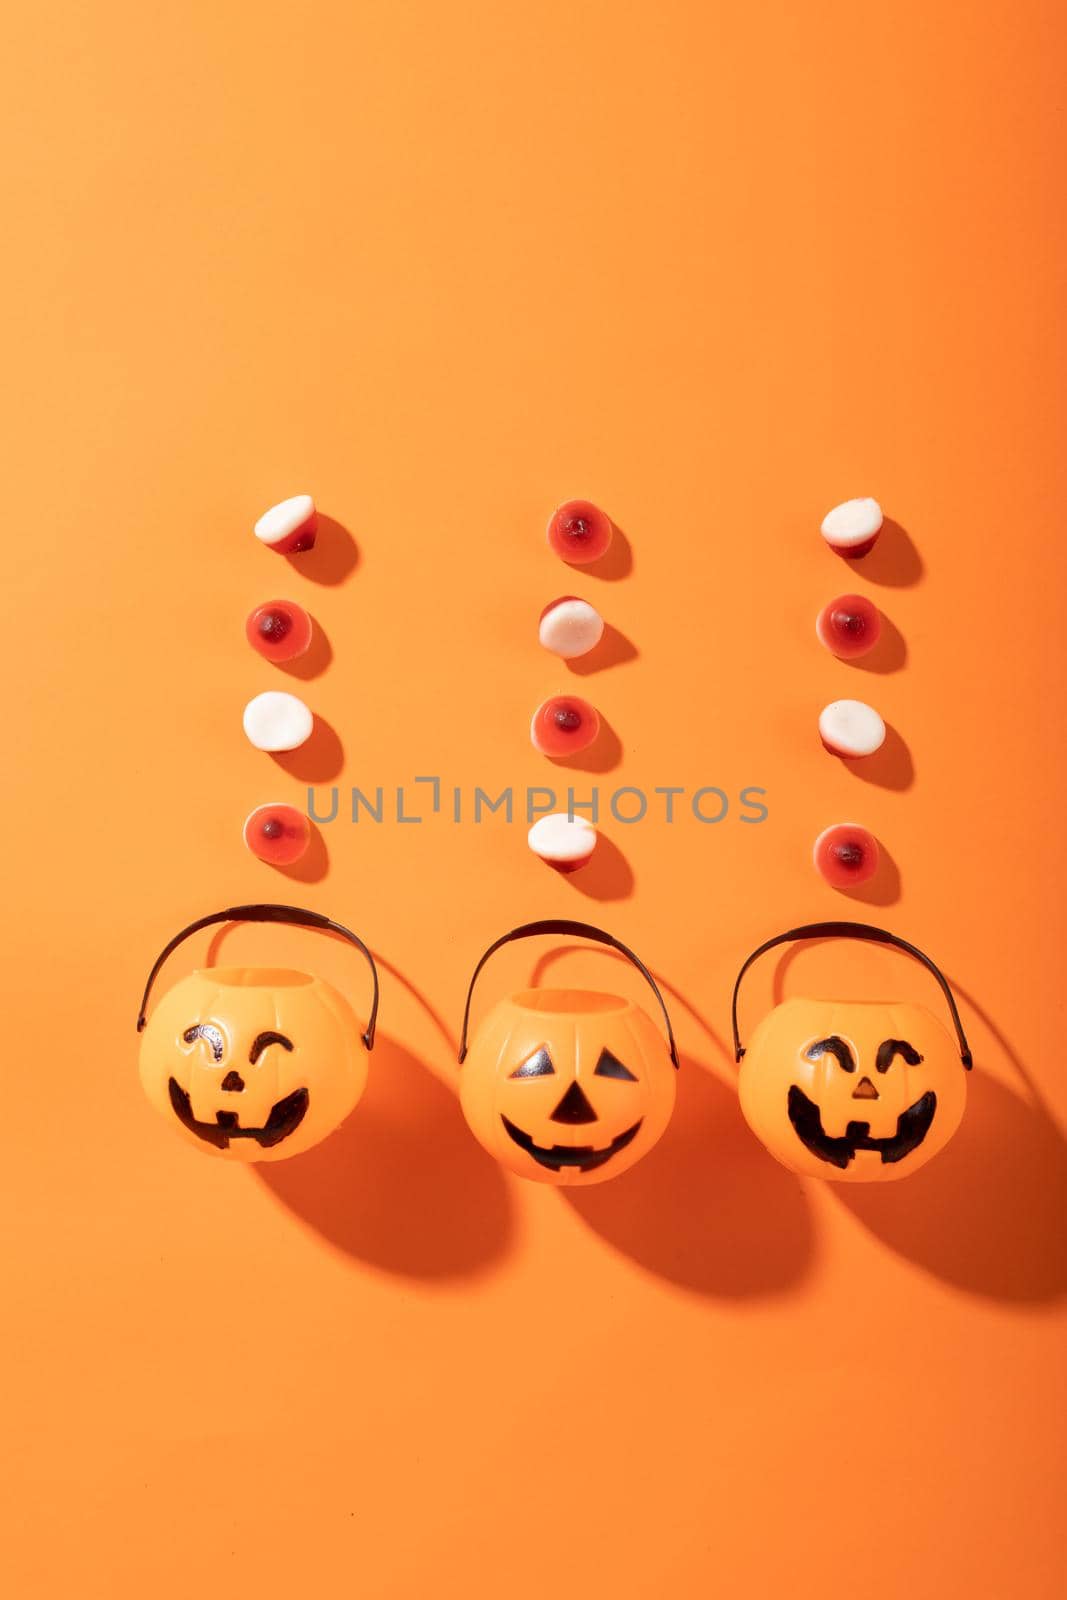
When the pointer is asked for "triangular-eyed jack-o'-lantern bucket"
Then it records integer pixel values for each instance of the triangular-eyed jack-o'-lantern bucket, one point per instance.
(567, 1086)
(861, 1091)
(255, 1063)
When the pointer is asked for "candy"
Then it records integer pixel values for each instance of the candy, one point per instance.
(277, 721)
(563, 725)
(579, 532)
(850, 728)
(852, 527)
(570, 627)
(277, 834)
(564, 842)
(279, 630)
(849, 626)
(846, 855)
(289, 526)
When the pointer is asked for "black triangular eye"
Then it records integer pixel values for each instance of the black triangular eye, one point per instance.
(539, 1065)
(610, 1066)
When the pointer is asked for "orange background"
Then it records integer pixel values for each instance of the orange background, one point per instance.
(444, 265)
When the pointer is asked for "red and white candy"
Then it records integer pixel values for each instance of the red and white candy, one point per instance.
(570, 627)
(564, 725)
(850, 728)
(564, 842)
(277, 721)
(853, 527)
(846, 855)
(849, 626)
(289, 526)
(277, 834)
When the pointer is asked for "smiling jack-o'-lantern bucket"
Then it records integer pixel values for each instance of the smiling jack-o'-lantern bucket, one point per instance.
(255, 1063)
(861, 1091)
(567, 1086)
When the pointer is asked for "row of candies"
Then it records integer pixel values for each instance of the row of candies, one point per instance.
(281, 631)
(564, 725)
(847, 854)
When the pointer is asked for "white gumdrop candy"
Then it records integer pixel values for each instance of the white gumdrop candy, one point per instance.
(289, 526)
(565, 842)
(277, 721)
(853, 526)
(570, 627)
(851, 728)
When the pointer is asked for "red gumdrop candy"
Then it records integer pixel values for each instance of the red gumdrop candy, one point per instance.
(564, 725)
(849, 626)
(277, 834)
(579, 532)
(279, 630)
(846, 855)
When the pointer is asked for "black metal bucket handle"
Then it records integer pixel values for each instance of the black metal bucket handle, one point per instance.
(853, 930)
(582, 930)
(295, 917)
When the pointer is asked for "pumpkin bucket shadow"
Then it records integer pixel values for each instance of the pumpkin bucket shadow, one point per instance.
(707, 1208)
(987, 1213)
(401, 1184)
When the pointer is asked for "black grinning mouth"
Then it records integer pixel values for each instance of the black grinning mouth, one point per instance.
(558, 1156)
(912, 1127)
(285, 1117)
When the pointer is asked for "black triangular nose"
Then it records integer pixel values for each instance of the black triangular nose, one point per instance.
(865, 1090)
(233, 1081)
(574, 1107)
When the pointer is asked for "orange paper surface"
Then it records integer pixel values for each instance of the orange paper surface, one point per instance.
(443, 266)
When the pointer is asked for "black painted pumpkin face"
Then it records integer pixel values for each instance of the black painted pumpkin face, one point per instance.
(254, 1064)
(863, 1091)
(567, 1086)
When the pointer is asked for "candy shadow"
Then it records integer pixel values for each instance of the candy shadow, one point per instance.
(316, 657)
(401, 1185)
(603, 755)
(616, 562)
(891, 767)
(894, 561)
(613, 650)
(888, 655)
(318, 759)
(884, 888)
(334, 555)
(313, 865)
(606, 876)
